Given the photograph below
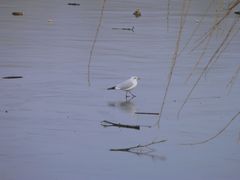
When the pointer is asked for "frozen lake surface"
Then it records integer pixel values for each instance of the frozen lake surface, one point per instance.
(50, 120)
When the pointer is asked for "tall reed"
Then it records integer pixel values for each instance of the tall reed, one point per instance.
(217, 134)
(207, 66)
(94, 42)
(168, 13)
(196, 27)
(226, 44)
(184, 11)
(233, 79)
(214, 27)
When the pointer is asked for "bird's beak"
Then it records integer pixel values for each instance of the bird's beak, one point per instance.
(139, 78)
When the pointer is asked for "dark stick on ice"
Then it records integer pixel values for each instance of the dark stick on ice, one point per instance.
(12, 77)
(126, 29)
(18, 13)
(109, 124)
(73, 4)
(147, 113)
(131, 149)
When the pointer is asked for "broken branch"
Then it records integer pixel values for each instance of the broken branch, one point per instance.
(126, 29)
(130, 149)
(108, 124)
(147, 113)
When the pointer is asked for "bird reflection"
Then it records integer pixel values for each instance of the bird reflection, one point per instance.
(126, 106)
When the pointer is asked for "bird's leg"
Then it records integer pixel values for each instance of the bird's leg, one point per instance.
(127, 94)
(133, 95)
(129, 99)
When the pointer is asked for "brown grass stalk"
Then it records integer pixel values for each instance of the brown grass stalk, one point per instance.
(238, 138)
(233, 79)
(207, 66)
(226, 45)
(168, 13)
(217, 134)
(94, 42)
(199, 59)
(214, 27)
(196, 28)
(174, 58)
(219, 8)
(186, 9)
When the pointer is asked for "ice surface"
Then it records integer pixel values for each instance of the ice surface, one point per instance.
(50, 119)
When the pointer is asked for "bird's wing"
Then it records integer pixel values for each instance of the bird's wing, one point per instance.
(125, 85)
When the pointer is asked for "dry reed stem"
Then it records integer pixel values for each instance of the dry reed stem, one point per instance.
(220, 132)
(238, 138)
(226, 45)
(174, 58)
(186, 11)
(230, 4)
(213, 28)
(199, 59)
(219, 7)
(233, 79)
(224, 48)
(168, 13)
(94, 42)
(196, 28)
(206, 67)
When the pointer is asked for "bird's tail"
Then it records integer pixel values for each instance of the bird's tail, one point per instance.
(111, 88)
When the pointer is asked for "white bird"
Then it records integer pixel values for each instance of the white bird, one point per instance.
(127, 86)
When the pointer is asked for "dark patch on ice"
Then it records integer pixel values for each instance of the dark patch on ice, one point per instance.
(12, 77)
(73, 4)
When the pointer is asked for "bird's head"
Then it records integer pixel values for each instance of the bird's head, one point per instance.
(135, 78)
